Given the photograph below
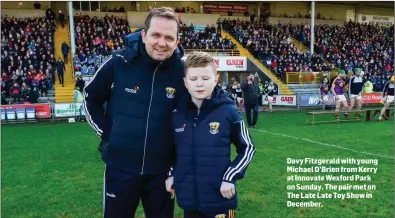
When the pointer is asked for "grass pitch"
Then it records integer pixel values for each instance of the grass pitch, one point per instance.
(55, 170)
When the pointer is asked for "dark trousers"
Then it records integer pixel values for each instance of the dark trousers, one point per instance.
(199, 214)
(254, 108)
(124, 190)
(61, 78)
(65, 57)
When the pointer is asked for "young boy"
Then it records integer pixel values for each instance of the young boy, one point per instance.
(205, 123)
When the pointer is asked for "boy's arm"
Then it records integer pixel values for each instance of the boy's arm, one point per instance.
(244, 147)
(96, 93)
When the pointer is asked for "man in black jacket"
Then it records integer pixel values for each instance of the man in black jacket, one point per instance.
(141, 85)
(251, 93)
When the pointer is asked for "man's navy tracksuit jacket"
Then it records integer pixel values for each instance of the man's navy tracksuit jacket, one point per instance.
(141, 95)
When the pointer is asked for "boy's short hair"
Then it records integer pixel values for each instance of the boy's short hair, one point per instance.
(199, 59)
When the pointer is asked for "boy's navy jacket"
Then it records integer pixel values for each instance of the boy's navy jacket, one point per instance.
(203, 147)
(140, 95)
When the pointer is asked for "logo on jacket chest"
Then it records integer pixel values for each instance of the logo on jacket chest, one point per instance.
(170, 92)
(181, 129)
(132, 90)
(214, 127)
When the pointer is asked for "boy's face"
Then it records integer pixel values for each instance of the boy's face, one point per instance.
(200, 82)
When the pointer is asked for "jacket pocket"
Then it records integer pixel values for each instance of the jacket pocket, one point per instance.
(126, 137)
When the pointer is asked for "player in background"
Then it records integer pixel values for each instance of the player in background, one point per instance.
(239, 96)
(388, 95)
(269, 91)
(355, 91)
(338, 92)
(323, 92)
(233, 91)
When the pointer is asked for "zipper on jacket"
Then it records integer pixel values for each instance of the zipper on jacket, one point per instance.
(193, 158)
(149, 110)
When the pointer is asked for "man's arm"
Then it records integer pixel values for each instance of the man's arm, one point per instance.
(244, 147)
(96, 93)
(244, 86)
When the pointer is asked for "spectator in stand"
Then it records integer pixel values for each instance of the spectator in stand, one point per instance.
(80, 83)
(15, 92)
(60, 68)
(61, 18)
(33, 95)
(65, 51)
(37, 5)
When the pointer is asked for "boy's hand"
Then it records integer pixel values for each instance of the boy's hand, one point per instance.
(227, 190)
(169, 184)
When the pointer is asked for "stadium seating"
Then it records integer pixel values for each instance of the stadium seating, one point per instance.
(203, 37)
(273, 47)
(355, 45)
(27, 48)
(95, 39)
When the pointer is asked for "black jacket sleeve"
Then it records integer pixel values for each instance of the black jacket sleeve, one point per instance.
(96, 93)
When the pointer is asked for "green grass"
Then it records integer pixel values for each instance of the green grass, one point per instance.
(55, 170)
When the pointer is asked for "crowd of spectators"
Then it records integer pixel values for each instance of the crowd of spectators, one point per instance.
(306, 16)
(355, 45)
(273, 47)
(96, 38)
(185, 10)
(209, 38)
(27, 57)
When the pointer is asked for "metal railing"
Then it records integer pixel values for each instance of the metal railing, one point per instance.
(216, 52)
(307, 77)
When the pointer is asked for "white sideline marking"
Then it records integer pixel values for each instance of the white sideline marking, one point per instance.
(322, 143)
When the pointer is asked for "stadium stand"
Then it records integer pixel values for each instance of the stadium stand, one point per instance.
(273, 47)
(203, 37)
(95, 39)
(27, 58)
(355, 45)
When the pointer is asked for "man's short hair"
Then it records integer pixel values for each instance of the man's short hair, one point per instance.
(164, 12)
(199, 59)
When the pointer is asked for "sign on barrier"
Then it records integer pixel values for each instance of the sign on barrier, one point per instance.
(215, 7)
(42, 110)
(309, 100)
(284, 100)
(68, 109)
(376, 20)
(372, 98)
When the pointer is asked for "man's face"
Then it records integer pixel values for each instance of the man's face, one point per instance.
(161, 38)
(200, 82)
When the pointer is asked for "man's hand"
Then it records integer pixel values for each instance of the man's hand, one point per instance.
(227, 190)
(337, 97)
(169, 184)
